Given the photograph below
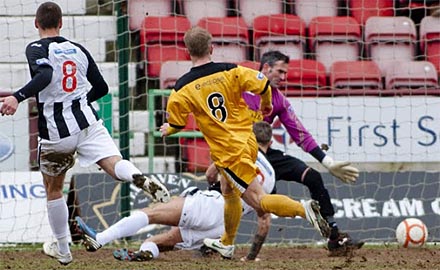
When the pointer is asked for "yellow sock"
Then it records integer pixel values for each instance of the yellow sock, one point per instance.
(282, 206)
(232, 217)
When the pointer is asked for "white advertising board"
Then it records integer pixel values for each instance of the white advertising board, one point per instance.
(369, 129)
(23, 208)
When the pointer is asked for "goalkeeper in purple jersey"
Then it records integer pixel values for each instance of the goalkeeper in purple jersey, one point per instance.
(274, 65)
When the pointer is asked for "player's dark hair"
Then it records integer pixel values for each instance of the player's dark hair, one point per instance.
(271, 57)
(263, 132)
(48, 15)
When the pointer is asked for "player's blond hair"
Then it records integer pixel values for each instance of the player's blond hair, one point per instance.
(198, 41)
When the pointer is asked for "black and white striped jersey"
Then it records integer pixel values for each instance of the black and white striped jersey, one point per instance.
(75, 81)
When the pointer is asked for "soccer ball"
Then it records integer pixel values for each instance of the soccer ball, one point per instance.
(411, 232)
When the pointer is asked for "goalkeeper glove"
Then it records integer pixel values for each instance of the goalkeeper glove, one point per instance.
(341, 169)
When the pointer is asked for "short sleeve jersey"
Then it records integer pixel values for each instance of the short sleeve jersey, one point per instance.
(213, 93)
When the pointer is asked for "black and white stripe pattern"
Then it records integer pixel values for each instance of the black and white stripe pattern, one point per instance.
(63, 106)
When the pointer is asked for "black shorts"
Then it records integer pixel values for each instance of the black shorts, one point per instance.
(286, 167)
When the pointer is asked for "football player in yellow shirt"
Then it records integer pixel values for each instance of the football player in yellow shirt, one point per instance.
(213, 93)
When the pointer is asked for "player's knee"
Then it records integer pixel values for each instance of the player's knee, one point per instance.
(253, 199)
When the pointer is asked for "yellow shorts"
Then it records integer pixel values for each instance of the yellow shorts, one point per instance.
(241, 173)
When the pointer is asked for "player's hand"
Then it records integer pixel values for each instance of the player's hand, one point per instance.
(266, 109)
(245, 259)
(341, 169)
(9, 105)
(164, 129)
(211, 174)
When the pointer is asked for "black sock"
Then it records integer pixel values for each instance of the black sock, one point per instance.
(334, 232)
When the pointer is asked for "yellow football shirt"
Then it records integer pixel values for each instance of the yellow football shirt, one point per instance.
(213, 93)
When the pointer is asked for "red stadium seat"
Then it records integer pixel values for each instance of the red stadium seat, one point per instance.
(170, 71)
(412, 75)
(308, 9)
(304, 75)
(250, 9)
(229, 37)
(283, 32)
(361, 10)
(363, 75)
(433, 54)
(159, 53)
(195, 152)
(139, 9)
(195, 10)
(390, 39)
(430, 40)
(191, 124)
(164, 29)
(334, 39)
(162, 40)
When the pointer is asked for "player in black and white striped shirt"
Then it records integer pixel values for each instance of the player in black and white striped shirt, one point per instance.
(62, 72)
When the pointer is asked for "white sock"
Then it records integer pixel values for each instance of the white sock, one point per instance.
(58, 215)
(152, 247)
(127, 226)
(124, 170)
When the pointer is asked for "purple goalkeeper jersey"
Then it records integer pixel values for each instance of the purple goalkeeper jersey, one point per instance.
(285, 112)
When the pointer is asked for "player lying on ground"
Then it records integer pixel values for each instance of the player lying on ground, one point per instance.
(194, 215)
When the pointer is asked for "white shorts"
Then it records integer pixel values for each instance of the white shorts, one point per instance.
(91, 145)
(202, 217)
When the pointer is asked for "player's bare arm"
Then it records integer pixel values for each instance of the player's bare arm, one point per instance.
(167, 130)
(212, 174)
(266, 102)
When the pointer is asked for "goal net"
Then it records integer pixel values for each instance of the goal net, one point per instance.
(363, 78)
